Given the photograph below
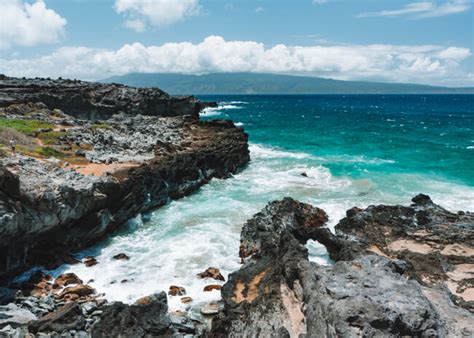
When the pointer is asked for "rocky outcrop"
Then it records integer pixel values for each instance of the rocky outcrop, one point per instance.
(279, 292)
(436, 244)
(103, 172)
(89, 100)
(141, 320)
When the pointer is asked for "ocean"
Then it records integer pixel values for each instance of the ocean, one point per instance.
(354, 150)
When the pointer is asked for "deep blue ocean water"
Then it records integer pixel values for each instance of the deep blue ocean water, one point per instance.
(355, 151)
(425, 134)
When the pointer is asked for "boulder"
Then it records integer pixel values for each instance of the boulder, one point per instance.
(176, 291)
(121, 256)
(67, 279)
(11, 314)
(67, 317)
(147, 320)
(212, 287)
(211, 273)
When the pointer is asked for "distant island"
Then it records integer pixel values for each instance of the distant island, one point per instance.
(254, 83)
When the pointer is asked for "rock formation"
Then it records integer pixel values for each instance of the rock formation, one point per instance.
(390, 290)
(95, 100)
(82, 178)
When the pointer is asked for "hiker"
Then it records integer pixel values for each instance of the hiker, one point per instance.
(13, 146)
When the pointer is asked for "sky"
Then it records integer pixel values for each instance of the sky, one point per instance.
(421, 41)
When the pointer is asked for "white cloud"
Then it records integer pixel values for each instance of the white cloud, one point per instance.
(157, 13)
(423, 64)
(424, 9)
(28, 24)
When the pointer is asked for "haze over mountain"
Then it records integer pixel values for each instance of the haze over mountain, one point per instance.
(253, 83)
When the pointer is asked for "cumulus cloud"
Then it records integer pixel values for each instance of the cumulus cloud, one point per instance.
(157, 13)
(424, 64)
(424, 9)
(28, 24)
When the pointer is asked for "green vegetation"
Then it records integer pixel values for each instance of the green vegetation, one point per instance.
(49, 152)
(253, 83)
(51, 137)
(29, 127)
(101, 126)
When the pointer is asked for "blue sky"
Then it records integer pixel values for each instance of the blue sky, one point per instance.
(408, 41)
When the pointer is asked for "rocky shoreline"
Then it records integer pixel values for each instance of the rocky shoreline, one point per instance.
(398, 271)
(50, 202)
(89, 156)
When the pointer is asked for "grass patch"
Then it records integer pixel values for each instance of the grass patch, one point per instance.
(29, 127)
(101, 126)
(51, 137)
(49, 152)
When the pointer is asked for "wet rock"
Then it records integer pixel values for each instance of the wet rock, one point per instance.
(90, 261)
(67, 317)
(67, 279)
(211, 273)
(186, 300)
(148, 320)
(121, 256)
(176, 291)
(212, 287)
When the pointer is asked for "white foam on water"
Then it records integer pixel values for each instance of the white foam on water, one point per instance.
(470, 147)
(239, 124)
(202, 230)
(261, 151)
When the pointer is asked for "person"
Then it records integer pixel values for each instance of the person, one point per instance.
(13, 146)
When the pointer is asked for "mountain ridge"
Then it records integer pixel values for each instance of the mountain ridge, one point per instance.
(259, 83)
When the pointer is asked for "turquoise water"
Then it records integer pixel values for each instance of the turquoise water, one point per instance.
(355, 151)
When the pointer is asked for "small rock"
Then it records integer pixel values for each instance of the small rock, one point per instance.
(176, 291)
(304, 174)
(212, 287)
(121, 256)
(90, 261)
(210, 309)
(211, 273)
(186, 300)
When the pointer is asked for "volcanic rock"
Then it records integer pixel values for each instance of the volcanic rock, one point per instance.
(67, 279)
(90, 261)
(147, 320)
(121, 256)
(176, 291)
(68, 317)
(211, 273)
(212, 287)
(278, 291)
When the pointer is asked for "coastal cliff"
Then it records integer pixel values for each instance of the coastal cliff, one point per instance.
(75, 177)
